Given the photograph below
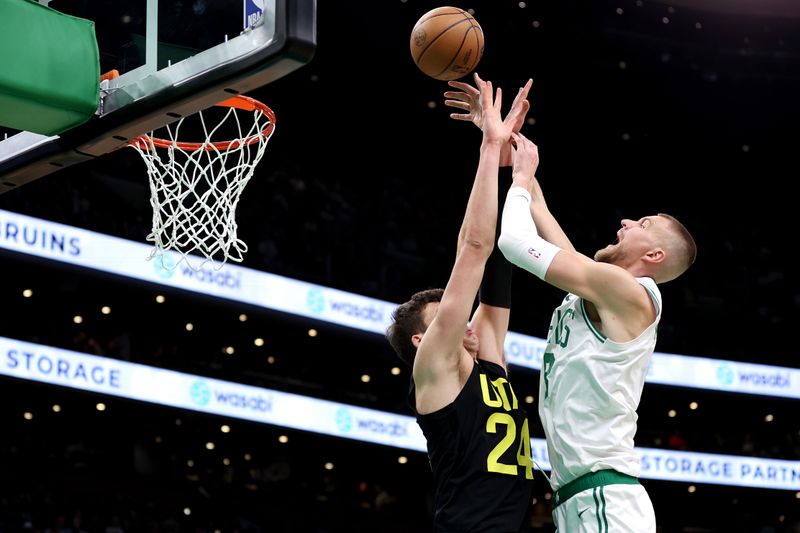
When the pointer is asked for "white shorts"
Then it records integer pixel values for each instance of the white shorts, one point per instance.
(608, 508)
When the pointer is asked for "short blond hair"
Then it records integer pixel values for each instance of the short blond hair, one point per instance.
(681, 249)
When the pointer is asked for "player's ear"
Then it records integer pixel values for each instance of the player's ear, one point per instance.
(416, 339)
(655, 256)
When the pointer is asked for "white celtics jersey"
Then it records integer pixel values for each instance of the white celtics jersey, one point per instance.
(589, 391)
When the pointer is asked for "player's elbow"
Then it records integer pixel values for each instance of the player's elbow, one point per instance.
(509, 245)
(477, 246)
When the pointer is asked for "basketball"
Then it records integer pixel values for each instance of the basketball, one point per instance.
(447, 43)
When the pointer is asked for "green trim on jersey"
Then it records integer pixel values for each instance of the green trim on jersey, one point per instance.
(654, 298)
(655, 301)
(592, 327)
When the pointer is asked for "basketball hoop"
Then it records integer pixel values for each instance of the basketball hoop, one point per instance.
(195, 186)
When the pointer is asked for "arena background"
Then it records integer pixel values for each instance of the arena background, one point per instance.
(638, 106)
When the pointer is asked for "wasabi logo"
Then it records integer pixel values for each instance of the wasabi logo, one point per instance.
(347, 422)
(200, 393)
(725, 375)
(225, 279)
(746, 378)
(315, 301)
(344, 420)
(164, 266)
(239, 400)
(778, 380)
(392, 429)
(351, 307)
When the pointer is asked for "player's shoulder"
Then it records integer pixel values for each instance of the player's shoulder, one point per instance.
(490, 368)
(653, 291)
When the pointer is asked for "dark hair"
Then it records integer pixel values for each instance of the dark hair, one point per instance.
(407, 321)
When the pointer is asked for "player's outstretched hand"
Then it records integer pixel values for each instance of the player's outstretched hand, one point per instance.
(519, 109)
(467, 98)
(526, 161)
(495, 130)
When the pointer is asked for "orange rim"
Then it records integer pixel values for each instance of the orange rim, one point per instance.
(245, 103)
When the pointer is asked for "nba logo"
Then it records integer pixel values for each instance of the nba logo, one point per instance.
(253, 13)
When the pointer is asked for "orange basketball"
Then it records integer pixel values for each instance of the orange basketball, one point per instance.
(447, 43)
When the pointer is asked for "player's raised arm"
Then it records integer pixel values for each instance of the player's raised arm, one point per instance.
(440, 347)
(490, 321)
(522, 245)
(546, 224)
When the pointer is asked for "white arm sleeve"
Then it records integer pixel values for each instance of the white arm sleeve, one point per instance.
(518, 241)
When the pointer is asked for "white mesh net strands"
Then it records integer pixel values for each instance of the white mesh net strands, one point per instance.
(195, 187)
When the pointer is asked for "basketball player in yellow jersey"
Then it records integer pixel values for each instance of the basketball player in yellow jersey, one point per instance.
(599, 346)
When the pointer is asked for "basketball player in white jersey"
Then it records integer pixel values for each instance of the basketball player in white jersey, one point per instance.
(599, 346)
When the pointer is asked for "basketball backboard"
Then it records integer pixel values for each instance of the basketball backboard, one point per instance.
(174, 58)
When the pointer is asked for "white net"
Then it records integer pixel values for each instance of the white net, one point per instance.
(195, 187)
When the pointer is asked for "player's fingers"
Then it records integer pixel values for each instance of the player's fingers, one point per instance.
(519, 108)
(526, 87)
(524, 106)
(519, 96)
(458, 96)
(458, 104)
(486, 93)
(530, 147)
(460, 116)
(522, 141)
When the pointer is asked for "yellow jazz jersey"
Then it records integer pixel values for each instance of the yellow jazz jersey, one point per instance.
(589, 391)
